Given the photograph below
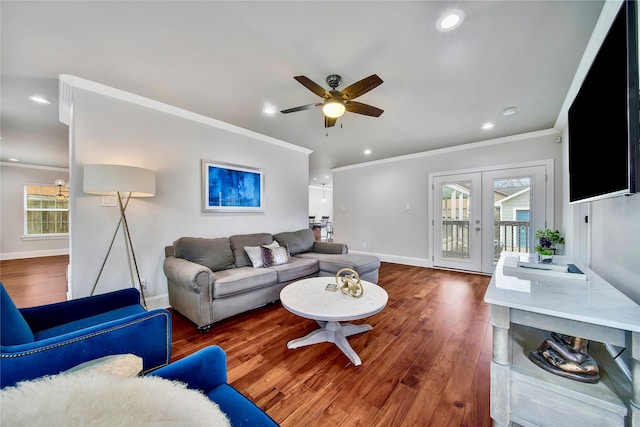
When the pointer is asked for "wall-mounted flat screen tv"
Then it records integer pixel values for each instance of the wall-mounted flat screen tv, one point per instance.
(604, 152)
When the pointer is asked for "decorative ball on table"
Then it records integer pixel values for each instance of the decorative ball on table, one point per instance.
(348, 281)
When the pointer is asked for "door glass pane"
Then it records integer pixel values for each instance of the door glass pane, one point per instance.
(455, 219)
(512, 215)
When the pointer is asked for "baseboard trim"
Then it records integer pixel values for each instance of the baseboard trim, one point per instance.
(33, 254)
(417, 262)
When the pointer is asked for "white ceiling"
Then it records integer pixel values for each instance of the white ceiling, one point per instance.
(227, 59)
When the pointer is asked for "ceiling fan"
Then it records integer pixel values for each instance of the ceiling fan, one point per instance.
(337, 102)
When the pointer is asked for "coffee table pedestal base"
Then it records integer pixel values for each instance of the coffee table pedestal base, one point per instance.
(333, 332)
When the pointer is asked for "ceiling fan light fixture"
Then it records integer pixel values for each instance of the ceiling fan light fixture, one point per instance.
(333, 108)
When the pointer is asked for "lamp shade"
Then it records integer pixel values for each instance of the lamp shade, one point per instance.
(108, 180)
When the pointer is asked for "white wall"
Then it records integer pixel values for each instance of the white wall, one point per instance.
(383, 207)
(106, 129)
(318, 206)
(12, 181)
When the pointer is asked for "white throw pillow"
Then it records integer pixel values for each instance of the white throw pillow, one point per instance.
(255, 253)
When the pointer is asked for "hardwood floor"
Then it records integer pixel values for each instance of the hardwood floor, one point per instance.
(425, 363)
(35, 281)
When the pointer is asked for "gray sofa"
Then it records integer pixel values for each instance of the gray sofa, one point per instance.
(210, 279)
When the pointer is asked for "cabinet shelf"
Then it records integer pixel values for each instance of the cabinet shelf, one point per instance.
(607, 397)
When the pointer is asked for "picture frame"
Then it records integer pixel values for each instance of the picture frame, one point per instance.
(231, 188)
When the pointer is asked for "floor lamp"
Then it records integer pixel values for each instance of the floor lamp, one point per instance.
(123, 182)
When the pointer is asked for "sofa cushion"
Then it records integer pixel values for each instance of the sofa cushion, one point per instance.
(330, 263)
(330, 248)
(15, 329)
(239, 241)
(275, 256)
(213, 253)
(242, 279)
(298, 268)
(297, 241)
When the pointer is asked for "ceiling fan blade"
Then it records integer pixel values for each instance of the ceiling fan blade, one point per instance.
(313, 86)
(360, 108)
(300, 108)
(361, 87)
(329, 121)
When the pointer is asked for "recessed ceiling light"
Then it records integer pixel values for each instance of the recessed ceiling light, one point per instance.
(367, 151)
(450, 20)
(40, 99)
(487, 126)
(13, 160)
(509, 111)
(269, 109)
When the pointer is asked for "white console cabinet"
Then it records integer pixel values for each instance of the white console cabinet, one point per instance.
(525, 308)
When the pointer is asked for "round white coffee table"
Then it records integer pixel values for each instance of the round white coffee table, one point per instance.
(309, 298)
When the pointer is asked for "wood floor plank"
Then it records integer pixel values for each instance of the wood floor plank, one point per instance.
(35, 281)
(425, 363)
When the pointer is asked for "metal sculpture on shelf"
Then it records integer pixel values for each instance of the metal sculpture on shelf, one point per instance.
(348, 282)
(566, 356)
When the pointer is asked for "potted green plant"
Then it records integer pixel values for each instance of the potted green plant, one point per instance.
(548, 241)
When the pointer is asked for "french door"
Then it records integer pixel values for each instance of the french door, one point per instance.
(479, 214)
(457, 229)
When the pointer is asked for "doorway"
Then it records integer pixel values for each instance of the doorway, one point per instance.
(477, 215)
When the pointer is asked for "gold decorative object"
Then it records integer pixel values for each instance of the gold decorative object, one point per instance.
(349, 283)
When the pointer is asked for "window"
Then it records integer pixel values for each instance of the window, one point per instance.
(46, 210)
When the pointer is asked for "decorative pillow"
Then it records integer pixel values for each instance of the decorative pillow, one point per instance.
(239, 241)
(255, 253)
(275, 256)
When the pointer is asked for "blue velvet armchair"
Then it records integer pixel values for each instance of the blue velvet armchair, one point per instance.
(48, 339)
(206, 370)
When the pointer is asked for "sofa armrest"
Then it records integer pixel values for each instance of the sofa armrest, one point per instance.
(188, 274)
(330, 248)
(203, 370)
(146, 334)
(50, 315)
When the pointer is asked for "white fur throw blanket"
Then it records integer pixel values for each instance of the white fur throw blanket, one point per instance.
(100, 400)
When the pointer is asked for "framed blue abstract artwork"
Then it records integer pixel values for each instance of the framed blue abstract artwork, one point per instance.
(231, 188)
